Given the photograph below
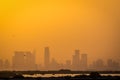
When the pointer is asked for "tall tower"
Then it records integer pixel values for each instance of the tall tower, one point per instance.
(84, 61)
(76, 60)
(46, 58)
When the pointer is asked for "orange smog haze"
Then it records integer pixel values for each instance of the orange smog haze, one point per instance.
(92, 26)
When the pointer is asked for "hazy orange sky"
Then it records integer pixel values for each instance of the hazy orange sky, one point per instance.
(64, 25)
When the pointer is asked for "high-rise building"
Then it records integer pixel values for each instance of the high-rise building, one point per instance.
(30, 61)
(46, 58)
(83, 61)
(23, 60)
(76, 60)
(19, 61)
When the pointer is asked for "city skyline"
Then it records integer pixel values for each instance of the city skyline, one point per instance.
(89, 25)
(60, 39)
(26, 60)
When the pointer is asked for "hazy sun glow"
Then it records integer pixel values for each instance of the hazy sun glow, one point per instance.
(64, 25)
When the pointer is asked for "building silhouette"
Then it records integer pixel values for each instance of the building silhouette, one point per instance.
(84, 62)
(54, 65)
(76, 60)
(112, 65)
(30, 61)
(24, 60)
(1, 64)
(99, 65)
(46, 58)
(6, 65)
(18, 61)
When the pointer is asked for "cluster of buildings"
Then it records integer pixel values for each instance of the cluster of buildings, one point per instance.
(100, 65)
(20, 61)
(75, 64)
(4, 65)
(25, 61)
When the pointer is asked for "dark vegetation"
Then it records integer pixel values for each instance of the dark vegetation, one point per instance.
(91, 76)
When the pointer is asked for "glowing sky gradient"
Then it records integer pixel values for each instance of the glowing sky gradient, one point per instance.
(64, 25)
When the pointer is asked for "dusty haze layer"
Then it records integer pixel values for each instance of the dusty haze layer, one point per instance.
(64, 25)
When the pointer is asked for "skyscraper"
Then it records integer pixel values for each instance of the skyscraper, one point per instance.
(76, 60)
(83, 61)
(46, 58)
(30, 61)
(24, 60)
(19, 61)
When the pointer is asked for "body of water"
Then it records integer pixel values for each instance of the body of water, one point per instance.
(61, 75)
